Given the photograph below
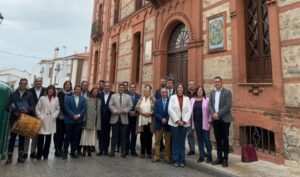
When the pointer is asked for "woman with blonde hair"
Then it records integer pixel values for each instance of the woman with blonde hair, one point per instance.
(145, 121)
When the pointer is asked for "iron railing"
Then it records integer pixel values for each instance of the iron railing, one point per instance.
(262, 139)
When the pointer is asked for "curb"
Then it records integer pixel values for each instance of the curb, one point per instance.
(208, 169)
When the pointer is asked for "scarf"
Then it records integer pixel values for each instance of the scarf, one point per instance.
(145, 107)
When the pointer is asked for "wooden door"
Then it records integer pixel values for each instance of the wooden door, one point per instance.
(178, 55)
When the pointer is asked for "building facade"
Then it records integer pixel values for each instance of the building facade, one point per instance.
(254, 45)
(12, 76)
(57, 70)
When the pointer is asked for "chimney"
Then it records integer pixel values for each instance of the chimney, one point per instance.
(85, 49)
(56, 50)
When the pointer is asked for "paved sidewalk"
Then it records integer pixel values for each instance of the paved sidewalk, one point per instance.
(238, 168)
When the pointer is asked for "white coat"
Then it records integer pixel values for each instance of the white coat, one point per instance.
(48, 112)
(175, 112)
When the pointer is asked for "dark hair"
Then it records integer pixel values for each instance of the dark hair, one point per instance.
(203, 91)
(65, 83)
(51, 87)
(148, 85)
(91, 92)
(23, 79)
(179, 85)
(77, 86)
(83, 82)
(218, 77)
(121, 84)
(170, 80)
(132, 84)
(102, 81)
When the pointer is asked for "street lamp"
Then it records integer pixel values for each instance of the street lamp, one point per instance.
(1, 18)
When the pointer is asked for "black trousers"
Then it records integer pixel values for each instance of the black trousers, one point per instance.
(119, 128)
(104, 136)
(221, 131)
(43, 147)
(59, 136)
(131, 135)
(12, 140)
(146, 140)
(72, 134)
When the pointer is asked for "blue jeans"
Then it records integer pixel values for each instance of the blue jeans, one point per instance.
(178, 144)
(191, 139)
(203, 137)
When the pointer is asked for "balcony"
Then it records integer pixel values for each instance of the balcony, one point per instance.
(157, 3)
(97, 32)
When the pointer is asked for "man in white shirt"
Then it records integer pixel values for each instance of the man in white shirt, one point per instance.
(37, 91)
(104, 133)
(220, 106)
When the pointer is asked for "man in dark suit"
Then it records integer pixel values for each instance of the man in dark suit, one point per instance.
(104, 133)
(170, 87)
(162, 129)
(163, 84)
(101, 86)
(132, 116)
(21, 97)
(37, 91)
(75, 107)
(220, 102)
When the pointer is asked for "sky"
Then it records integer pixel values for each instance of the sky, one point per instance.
(35, 27)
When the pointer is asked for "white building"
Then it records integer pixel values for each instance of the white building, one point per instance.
(12, 76)
(60, 69)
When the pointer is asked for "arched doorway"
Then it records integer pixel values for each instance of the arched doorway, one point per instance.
(178, 54)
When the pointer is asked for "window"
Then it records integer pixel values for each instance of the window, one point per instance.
(113, 62)
(138, 4)
(136, 58)
(57, 74)
(96, 63)
(117, 11)
(262, 139)
(258, 50)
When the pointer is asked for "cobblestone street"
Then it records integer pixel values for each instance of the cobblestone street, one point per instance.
(95, 166)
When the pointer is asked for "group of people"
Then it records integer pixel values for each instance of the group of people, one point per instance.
(78, 118)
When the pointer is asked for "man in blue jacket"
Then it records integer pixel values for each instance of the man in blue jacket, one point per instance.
(161, 126)
(75, 107)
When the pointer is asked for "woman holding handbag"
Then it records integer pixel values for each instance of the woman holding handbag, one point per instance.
(91, 122)
(47, 109)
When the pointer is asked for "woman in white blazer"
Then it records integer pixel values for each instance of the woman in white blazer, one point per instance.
(180, 113)
(47, 109)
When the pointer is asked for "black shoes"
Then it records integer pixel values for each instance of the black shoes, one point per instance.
(218, 162)
(111, 154)
(225, 163)
(33, 155)
(191, 153)
(74, 155)
(64, 156)
(21, 158)
(134, 154)
(100, 153)
(123, 155)
(106, 153)
(25, 156)
(9, 160)
(200, 160)
(208, 160)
